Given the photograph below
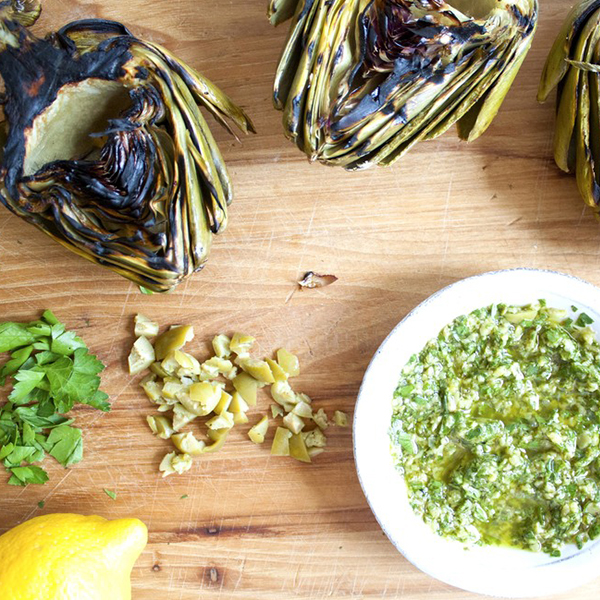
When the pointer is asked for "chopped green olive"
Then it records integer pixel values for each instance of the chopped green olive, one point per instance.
(320, 418)
(203, 394)
(258, 432)
(223, 403)
(175, 463)
(241, 343)
(258, 369)
(173, 339)
(187, 362)
(188, 444)
(281, 442)
(157, 369)
(276, 410)
(314, 439)
(283, 394)
(278, 373)
(288, 362)
(304, 410)
(247, 386)
(144, 326)
(152, 388)
(524, 315)
(221, 346)
(160, 426)
(218, 437)
(171, 387)
(141, 356)
(314, 451)
(222, 421)
(340, 418)
(181, 417)
(293, 422)
(298, 448)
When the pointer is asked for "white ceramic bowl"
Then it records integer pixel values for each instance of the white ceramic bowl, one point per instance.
(488, 570)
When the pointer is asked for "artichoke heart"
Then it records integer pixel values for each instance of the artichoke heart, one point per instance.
(573, 67)
(361, 81)
(106, 149)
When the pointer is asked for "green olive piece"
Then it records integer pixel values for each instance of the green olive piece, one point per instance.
(320, 418)
(221, 421)
(173, 339)
(152, 388)
(175, 463)
(304, 410)
(312, 452)
(161, 426)
(300, 397)
(276, 410)
(171, 387)
(257, 432)
(220, 344)
(340, 418)
(247, 387)
(258, 369)
(141, 356)
(158, 370)
(241, 343)
(144, 326)
(283, 394)
(181, 463)
(288, 362)
(518, 317)
(181, 417)
(238, 407)
(169, 365)
(223, 403)
(281, 442)
(293, 422)
(165, 467)
(218, 437)
(187, 361)
(217, 366)
(206, 395)
(188, 444)
(278, 373)
(314, 439)
(298, 448)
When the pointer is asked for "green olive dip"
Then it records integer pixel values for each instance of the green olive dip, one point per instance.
(496, 427)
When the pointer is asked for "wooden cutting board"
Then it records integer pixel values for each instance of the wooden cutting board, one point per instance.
(254, 526)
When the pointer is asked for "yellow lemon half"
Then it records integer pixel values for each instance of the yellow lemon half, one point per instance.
(70, 557)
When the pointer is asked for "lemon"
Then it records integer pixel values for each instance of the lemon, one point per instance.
(70, 557)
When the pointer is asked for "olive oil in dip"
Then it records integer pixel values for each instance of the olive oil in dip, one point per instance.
(496, 428)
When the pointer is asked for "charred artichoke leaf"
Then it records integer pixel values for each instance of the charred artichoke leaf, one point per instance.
(106, 148)
(361, 81)
(573, 67)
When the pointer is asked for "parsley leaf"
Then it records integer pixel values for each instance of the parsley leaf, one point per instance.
(110, 494)
(65, 444)
(51, 371)
(27, 380)
(583, 320)
(13, 336)
(25, 475)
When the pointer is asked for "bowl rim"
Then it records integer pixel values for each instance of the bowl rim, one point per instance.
(361, 395)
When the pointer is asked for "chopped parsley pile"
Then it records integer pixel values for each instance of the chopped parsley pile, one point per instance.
(496, 428)
(50, 370)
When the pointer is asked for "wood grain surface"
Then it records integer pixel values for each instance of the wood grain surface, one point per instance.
(254, 526)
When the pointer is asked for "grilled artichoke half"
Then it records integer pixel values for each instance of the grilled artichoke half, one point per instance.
(573, 66)
(361, 81)
(106, 149)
